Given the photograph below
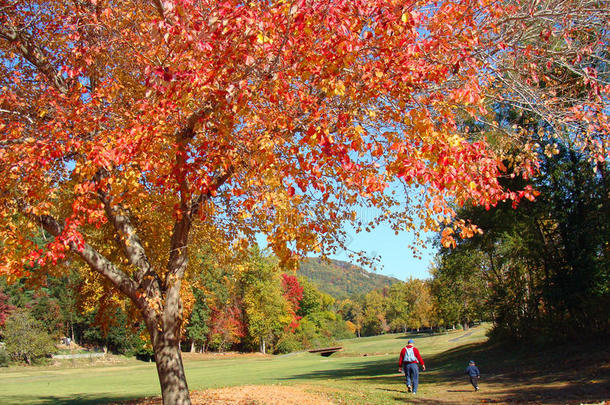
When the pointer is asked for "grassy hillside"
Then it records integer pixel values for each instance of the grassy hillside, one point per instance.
(341, 279)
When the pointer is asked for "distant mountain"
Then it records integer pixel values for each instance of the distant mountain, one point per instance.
(341, 279)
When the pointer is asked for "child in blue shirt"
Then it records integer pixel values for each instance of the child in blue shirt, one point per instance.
(474, 374)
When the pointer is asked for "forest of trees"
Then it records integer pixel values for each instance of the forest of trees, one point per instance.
(250, 305)
(541, 270)
(545, 265)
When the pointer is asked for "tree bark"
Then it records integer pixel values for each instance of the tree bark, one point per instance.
(168, 359)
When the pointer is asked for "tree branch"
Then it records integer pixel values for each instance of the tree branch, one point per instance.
(34, 54)
(145, 277)
(96, 261)
(178, 254)
(160, 8)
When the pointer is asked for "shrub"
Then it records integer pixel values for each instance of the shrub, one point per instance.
(288, 344)
(26, 338)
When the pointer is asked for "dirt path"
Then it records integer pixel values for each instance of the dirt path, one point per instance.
(251, 395)
(455, 339)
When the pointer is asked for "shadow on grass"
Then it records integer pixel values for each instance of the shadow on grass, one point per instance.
(513, 374)
(93, 399)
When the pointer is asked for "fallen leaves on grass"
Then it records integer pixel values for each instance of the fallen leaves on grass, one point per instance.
(250, 395)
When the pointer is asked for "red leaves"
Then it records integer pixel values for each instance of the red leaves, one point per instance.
(293, 292)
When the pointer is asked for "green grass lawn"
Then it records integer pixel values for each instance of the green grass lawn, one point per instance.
(365, 372)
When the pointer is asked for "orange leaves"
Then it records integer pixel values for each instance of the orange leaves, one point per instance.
(466, 230)
(447, 239)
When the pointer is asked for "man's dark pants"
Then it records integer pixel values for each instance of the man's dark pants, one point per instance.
(411, 375)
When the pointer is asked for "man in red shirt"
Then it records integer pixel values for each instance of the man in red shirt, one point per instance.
(408, 363)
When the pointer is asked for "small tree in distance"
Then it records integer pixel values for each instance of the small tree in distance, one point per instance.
(26, 338)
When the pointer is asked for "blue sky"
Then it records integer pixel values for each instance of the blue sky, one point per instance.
(396, 258)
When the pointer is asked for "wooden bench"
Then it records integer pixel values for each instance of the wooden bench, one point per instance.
(326, 351)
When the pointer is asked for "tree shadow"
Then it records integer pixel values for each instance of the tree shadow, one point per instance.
(391, 390)
(93, 399)
(571, 394)
(370, 369)
(518, 375)
(413, 399)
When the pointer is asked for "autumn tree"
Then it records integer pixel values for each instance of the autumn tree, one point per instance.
(227, 327)
(293, 293)
(459, 292)
(210, 287)
(397, 308)
(218, 309)
(27, 339)
(374, 319)
(352, 311)
(416, 294)
(134, 129)
(268, 312)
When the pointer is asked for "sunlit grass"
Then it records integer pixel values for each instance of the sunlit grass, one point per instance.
(360, 373)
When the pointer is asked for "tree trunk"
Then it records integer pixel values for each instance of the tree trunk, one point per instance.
(168, 359)
(262, 345)
(192, 346)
